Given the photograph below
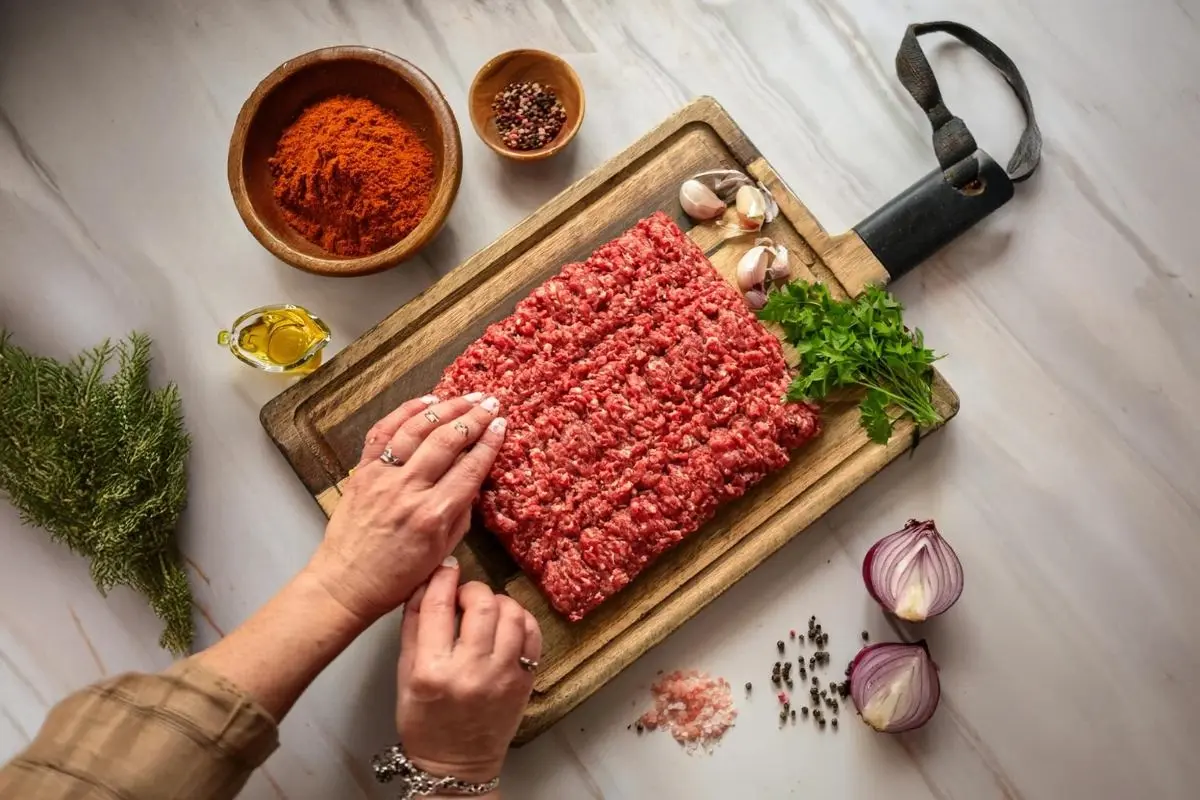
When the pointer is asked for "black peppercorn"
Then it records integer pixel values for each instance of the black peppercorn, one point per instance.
(780, 645)
(748, 686)
(804, 711)
(866, 636)
(639, 726)
(812, 663)
(793, 715)
(815, 682)
(835, 723)
(783, 716)
(786, 705)
(822, 723)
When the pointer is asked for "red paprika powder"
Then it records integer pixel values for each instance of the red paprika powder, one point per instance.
(351, 176)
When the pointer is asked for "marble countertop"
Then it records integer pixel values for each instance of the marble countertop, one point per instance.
(1068, 482)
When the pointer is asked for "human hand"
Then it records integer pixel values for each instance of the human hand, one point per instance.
(460, 701)
(396, 522)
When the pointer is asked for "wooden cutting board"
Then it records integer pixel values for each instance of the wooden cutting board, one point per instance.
(319, 423)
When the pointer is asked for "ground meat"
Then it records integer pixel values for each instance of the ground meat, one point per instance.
(641, 393)
(693, 707)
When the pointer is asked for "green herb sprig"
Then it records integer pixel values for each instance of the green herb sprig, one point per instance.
(857, 342)
(99, 462)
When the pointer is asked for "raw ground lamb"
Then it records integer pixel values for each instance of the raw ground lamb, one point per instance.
(641, 393)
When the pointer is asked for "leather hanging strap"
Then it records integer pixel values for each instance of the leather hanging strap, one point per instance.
(953, 143)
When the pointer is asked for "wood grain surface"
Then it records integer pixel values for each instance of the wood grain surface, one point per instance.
(320, 423)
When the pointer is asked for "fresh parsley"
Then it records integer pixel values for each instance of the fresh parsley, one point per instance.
(858, 342)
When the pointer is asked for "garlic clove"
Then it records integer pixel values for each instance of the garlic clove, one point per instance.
(780, 269)
(772, 208)
(723, 182)
(699, 201)
(756, 298)
(752, 267)
(751, 207)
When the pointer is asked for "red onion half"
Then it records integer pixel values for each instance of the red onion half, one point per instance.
(895, 687)
(914, 573)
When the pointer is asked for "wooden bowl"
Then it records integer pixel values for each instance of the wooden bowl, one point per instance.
(278, 100)
(525, 65)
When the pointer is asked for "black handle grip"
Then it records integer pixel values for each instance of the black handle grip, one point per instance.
(929, 214)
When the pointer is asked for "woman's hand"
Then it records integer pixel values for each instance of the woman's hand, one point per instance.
(461, 699)
(396, 522)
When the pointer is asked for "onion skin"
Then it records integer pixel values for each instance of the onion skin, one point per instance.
(913, 573)
(895, 686)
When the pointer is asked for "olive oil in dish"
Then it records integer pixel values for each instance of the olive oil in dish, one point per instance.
(281, 338)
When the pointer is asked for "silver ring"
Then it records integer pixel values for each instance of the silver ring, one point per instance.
(528, 664)
(387, 457)
(462, 428)
(432, 417)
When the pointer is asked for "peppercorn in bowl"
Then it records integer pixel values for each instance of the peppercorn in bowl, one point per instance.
(345, 161)
(526, 105)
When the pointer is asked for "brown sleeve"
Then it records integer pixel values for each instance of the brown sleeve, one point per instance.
(182, 734)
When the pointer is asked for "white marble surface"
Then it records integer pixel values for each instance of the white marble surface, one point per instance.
(1068, 483)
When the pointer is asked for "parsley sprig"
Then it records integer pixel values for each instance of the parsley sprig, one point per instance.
(857, 342)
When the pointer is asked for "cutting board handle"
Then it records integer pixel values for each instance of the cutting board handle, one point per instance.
(968, 184)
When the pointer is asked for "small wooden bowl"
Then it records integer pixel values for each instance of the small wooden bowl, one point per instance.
(525, 65)
(382, 77)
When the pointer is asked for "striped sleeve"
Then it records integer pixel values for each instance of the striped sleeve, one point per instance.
(184, 733)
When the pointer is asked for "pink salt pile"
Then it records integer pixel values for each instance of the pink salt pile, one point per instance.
(693, 707)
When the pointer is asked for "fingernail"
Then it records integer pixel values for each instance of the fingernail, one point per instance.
(429, 399)
(450, 562)
(473, 397)
(498, 425)
(491, 405)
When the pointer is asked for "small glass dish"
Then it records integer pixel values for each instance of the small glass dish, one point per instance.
(282, 338)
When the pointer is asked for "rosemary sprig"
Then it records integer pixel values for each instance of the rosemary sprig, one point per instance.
(99, 463)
